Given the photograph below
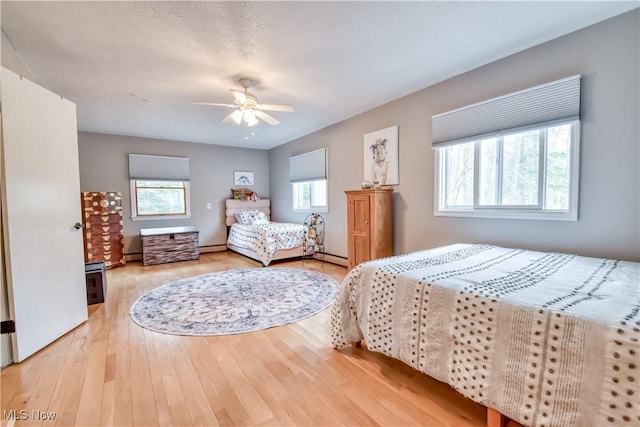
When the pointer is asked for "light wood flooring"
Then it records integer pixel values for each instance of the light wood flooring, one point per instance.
(109, 371)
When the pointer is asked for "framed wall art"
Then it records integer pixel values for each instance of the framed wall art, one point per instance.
(381, 157)
(243, 178)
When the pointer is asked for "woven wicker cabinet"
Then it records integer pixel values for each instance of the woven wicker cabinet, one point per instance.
(170, 244)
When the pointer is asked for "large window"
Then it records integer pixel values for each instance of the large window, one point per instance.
(530, 174)
(516, 156)
(159, 187)
(308, 177)
(160, 198)
(310, 196)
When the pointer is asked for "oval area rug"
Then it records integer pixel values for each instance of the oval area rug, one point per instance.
(234, 301)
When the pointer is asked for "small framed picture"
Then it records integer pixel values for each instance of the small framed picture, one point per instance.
(242, 178)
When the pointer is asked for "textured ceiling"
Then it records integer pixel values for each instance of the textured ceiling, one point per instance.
(133, 68)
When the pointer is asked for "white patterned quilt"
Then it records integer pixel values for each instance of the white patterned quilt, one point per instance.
(266, 239)
(547, 339)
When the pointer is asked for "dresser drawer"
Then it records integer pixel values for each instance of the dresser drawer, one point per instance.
(161, 246)
(101, 202)
(114, 246)
(99, 238)
(103, 228)
(103, 219)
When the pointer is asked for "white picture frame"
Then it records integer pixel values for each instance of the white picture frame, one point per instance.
(381, 157)
(243, 178)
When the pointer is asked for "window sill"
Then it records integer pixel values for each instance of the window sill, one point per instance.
(323, 210)
(158, 217)
(504, 214)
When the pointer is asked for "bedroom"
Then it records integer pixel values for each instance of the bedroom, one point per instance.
(606, 54)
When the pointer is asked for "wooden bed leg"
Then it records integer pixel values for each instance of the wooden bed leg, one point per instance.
(495, 418)
(357, 344)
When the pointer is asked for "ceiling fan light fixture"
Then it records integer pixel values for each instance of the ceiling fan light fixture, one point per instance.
(250, 118)
(237, 116)
(248, 109)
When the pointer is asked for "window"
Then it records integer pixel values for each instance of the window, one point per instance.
(310, 196)
(529, 174)
(515, 156)
(159, 199)
(308, 178)
(159, 187)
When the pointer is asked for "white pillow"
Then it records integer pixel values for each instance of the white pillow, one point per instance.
(252, 217)
(260, 218)
(245, 217)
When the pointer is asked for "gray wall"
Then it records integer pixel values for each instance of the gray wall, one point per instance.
(104, 166)
(607, 56)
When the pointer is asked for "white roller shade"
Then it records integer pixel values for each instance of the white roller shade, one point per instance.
(310, 166)
(551, 102)
(158, 167)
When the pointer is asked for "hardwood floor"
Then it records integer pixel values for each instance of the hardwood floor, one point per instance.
(109, 371)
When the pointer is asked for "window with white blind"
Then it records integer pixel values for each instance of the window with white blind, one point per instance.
(308, 178)
(159, 187)
(516, 156)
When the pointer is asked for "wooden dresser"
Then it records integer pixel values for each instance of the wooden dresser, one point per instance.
(369, 225)
(170, 244)
(103, 228)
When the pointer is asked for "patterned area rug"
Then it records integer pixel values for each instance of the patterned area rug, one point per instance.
(234, 301)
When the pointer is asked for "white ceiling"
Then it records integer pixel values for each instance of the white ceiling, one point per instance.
(133, 68)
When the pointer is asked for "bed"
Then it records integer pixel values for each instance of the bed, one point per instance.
(258, 237)
(545, 339)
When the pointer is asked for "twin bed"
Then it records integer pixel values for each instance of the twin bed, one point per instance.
(251, 233)
(546, 339)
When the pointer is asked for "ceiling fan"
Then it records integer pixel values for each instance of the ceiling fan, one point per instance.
(248, 109)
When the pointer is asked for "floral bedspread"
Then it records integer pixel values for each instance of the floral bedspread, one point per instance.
(266, 239)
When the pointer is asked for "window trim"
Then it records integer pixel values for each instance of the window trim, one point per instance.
(134, 203)
(312, 208)
(512, 212)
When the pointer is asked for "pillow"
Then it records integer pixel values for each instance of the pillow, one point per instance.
(237, 217)
(246, 217)
(260, 218)
(252, 217)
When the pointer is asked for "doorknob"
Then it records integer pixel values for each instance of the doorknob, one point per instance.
(78, 226)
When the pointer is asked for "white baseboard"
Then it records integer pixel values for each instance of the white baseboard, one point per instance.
(333, 259)
(203, 250)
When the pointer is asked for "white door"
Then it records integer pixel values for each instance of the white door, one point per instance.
(41, 203)
(5, 340)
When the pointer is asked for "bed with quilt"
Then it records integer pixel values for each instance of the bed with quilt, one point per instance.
(252, 234)
(545, 339)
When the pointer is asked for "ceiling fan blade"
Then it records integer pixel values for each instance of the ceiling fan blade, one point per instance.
(215, 103)
(276, 107)
(238, 97)
(266, 117)
(236, 116)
